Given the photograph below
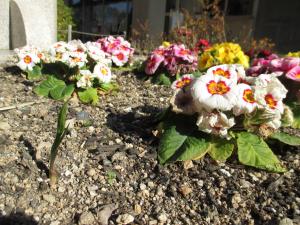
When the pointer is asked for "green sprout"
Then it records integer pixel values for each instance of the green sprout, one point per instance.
(111, 176)
(60, 134)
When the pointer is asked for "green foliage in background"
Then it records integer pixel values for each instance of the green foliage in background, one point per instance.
(64, 18)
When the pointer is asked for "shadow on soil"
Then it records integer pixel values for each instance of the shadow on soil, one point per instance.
(138, 122)
(17, 219)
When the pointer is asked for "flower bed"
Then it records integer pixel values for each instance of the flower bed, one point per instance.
(75, 67)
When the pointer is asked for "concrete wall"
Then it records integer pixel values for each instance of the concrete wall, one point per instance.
(23, 22)
(37, 19)
(279, 20)
(4, 24)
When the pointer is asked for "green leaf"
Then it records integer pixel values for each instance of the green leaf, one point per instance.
(253, 151)
(162, 79)
(192, 148)
(286, 138)
(60, 132)
(295, 107)
(221, 149)
(170, 141)
(47, 85)
(107, 87)
(35, 73)
(62, 91)
(89, 95)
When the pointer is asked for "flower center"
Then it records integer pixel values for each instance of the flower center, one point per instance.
(27, 59)
(248, 96)
(297, 76)
(271, 102)
(183, 52)
(221, 72)
(183, 82)
(76, 59)
(219, 88)
(120, 56)
(104, 71)
(40, 55)
(58, 55)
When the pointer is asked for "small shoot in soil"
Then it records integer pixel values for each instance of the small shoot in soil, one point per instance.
(111, 177)
(60, 134)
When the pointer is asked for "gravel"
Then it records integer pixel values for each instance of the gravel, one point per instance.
(109, 172)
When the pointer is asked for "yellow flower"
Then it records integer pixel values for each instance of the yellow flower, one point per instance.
(205, 61)
(294, 54)
(223, 53)
(166, 44)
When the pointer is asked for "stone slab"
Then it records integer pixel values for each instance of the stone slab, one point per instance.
(4, 24)
(5, 56)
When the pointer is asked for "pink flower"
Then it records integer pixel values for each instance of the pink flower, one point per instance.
(153, 63)
(294, 74)
(289, 63)
(119, 58)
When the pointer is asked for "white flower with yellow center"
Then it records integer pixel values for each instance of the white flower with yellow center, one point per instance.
(214, 92)
(86, 79)
(27, 61)
(215, 123)
(182, 82)
(226, 70)
(269, 92)
(246, 102)
(102, 72)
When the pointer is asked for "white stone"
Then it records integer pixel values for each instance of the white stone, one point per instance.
(125, 219)
(162, 218)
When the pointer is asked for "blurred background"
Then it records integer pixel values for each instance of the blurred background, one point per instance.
(272, 24)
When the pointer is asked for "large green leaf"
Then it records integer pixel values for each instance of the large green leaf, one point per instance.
(254, 151)
(89, 95)
(62, 91)
(35, 73)
(286, 138)
(192, 148)
(47, 85)
(170, 141)
(220, 149)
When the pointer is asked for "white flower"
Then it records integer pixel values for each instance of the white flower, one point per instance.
(86, 80)
(183, 81)
(94, 51)
(246, 102)
(120, 58)
(226, 70)
(214, 92)
(27, 61)
(60, 46)
(77, 59)
(102, 72)
(269, 92)
(76, 46)
(275, 122)
(215, 123)
(183, 102)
